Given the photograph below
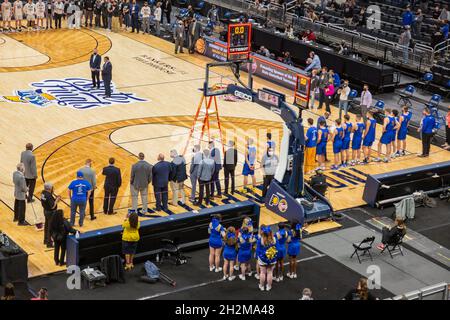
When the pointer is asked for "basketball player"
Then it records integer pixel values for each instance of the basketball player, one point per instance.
(310, 146)
(337, 136)
(394, 134)
(348, 129)
(358, 131)
(386, 137)
(40, 14)
(6, 15)
(30, 12)
(404, 119)
(369, 136)
(18, 14)
(322, 140)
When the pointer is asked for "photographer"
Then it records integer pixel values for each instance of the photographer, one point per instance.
(427, 129)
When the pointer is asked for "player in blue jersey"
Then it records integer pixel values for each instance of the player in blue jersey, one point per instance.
(358, 131)
(404, 120)
(369, 136)
(322, 140)
(386, 136)
(338, 136)
(394, 133)
(348, 129)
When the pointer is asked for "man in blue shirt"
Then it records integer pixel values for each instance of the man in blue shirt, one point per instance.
(445, 29)
(315, 62)
(427, 127)
(408, 17)
(79, 192)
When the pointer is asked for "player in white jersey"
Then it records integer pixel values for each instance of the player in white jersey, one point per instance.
(29, 10)
(6, 14)
(18, 14)
(40, 14)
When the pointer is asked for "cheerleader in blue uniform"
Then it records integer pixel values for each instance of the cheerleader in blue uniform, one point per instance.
(245, 242)
(386, 136)
(404, 120)
(248, 223)
(216, 232)
(348, 129)
(338, 136)
(229, 254)
(281, 237)
(266, 258)
(293, 248)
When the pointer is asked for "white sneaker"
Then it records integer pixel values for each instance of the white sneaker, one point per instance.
(261, 287)
(218, 269)
(289, 275)
(268, 288)
(294, 276)
(236, 267)
(211, 268)
(225, 277)
(276, 279)
(231, 278)
(280, 278)
(242, 277)
(256, 276)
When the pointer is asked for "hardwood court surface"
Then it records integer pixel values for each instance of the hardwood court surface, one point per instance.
(145, 66)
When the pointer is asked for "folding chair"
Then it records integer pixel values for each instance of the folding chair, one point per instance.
(364, 246)
(426, 80)
(380, 104)
(405, 95)
(352, 99)
(394, 247)
(434, 102)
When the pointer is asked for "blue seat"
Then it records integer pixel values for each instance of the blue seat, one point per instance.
(353, 94)
(183, 13)
(428, 77)
(407, 93)
(199, 6)
(380, 104)
(435, 100)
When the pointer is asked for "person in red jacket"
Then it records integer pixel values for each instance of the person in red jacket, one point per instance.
(309, 36)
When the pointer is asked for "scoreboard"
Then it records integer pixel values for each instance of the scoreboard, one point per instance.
(239, 41)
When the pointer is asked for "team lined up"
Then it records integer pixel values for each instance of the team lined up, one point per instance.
(270, 249)
(359, 136)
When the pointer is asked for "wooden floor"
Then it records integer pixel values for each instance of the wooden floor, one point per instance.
(65, 137)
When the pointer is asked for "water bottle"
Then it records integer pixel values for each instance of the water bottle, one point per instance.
(157, 257)
(77, 235)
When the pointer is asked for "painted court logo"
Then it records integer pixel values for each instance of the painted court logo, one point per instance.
(74, 93)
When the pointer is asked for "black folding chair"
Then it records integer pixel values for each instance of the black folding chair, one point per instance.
(395, 246)
(364, 247)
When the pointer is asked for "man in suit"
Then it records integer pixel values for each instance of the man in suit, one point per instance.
(134, 12)
(107, 77)
(193, 170)
(194, 31)
(215, 182)
(20, 193)
(113, 181)
(161, 174)
(29, 161)
(205, 175)
(229, 165)
(141, 176)
(89, 176)
(178, 35)
(94, 64)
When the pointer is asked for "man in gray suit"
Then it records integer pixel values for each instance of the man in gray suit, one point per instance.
(193, 170)
(20, 193)
(205, 174)
(141, 176)
(89, 176)
(29, 161)
(178, 36)
(194, 32)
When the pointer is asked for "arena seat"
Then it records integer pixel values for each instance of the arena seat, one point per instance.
(405, 95)
(380, 104)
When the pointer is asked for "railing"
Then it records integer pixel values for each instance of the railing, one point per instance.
(438, 291)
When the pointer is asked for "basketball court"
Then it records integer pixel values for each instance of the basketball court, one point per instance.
(156, 94)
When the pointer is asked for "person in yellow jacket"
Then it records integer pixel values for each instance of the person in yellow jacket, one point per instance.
(130, 239)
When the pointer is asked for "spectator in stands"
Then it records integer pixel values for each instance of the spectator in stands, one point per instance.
(343, 93)
(444, 14)
(323, 83)
(9, 292)
(312, 15)
(314, 87)
(417, 24)
(405, 40)
(213, 15)
(366, 102)
(407, 17)
(60, 228)
(446, 145)
(287, 58)
(263, 51)
(348, 13)
(361, 292)
(309, 35)
(178, 177)
(290, 32)
(436, 13)
(306, 294)
(343, 48)
(269, 25)
(392, 235)
(360, 18)
(333, 5)
(130, 238)
(427, 128)
(300, 9)
(445, 30)
(315, 62)
(42, 294)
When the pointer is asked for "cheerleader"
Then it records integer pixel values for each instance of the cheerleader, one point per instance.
(293, 248)
(216, 232)
(246, 223)
(257, 249)
(246, 240)
(281, 237)
(229, 254)
(266, 258)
